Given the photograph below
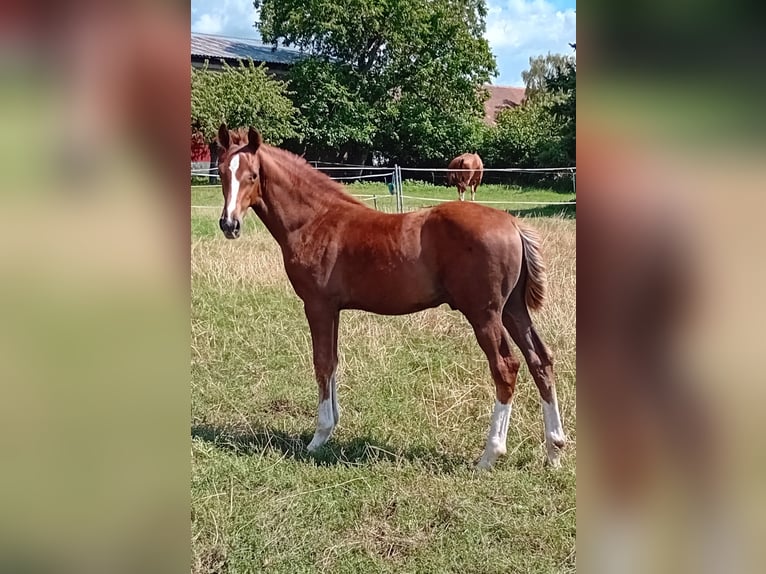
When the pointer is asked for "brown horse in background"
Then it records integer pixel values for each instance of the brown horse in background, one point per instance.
(470, 176)
(340, 254)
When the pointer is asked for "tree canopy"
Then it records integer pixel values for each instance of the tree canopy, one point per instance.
(242, 96)
(401, 75)
(543, 71)
(540, 132)
(564, 82)
(401, 78)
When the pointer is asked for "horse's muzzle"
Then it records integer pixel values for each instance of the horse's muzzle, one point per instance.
(230, 227)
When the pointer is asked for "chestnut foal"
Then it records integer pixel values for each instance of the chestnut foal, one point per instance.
(340, 254)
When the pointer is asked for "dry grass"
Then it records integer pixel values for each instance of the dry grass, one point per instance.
(394, 490)
(252, 260)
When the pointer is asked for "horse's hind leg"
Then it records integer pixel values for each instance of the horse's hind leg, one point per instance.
(461, 192)
(493, 340)
(324, 337)
(540, 362)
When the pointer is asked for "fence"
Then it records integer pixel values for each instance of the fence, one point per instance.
(396, 198)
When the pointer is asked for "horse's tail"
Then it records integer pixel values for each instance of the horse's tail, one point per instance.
(536, 279)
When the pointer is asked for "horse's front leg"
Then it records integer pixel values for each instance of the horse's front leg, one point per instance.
(323, 323)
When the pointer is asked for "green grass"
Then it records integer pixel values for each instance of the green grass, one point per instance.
(419, 194)
(394, 490)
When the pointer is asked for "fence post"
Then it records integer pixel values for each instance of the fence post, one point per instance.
(574, 185)
(396, 186)
(400, 189)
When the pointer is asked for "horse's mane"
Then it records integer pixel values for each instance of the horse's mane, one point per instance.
(298, 169)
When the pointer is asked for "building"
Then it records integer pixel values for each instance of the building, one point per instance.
(218, 49)
(212, 50)
(500, 98)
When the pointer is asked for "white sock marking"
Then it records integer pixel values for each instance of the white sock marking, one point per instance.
(498, 434)
(554, 431)
(334, 396)
(325, 425)
(234, 189)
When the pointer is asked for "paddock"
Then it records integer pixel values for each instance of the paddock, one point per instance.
(394, 489)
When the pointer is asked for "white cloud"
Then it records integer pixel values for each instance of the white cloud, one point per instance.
(520, 29)
(208, 24)
(225, 17)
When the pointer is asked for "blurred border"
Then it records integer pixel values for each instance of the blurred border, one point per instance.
(94, 296)
(671, 185)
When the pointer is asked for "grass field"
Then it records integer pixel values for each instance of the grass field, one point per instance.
(394, 490)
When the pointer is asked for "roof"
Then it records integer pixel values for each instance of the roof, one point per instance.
(501, 97)
(233, 49)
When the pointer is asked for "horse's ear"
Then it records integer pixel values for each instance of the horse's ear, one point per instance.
(224, 139)
(254, 139)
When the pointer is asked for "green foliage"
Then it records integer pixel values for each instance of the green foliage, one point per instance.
(335, 114)
(526, 136)
(541, 132)
(565, 108)
(419, 137)
(242, 96)
(403, 77)
(540, 79)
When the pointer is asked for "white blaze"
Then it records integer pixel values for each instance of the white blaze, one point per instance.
(234, 188)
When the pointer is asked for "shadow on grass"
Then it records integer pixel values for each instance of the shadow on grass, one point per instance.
(361, 450)
(565, 211)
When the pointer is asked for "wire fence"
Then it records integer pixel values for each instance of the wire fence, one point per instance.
(395, 199)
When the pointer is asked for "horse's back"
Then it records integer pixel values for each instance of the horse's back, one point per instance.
(472, 221)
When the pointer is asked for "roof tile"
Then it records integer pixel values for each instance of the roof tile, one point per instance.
(210, 46)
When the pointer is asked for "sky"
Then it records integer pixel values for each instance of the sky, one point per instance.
(516, 29)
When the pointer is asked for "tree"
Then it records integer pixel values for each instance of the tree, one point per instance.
(543, 70)
(386, 68)
(334, 115)
(565, 107)
(527, 136)
(551, 85)
(540, 132)
(242, 96)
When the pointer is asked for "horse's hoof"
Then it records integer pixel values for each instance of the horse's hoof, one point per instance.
(558, 440)
(554, 457)
(314, 447)
(553, 463)
(484, 465)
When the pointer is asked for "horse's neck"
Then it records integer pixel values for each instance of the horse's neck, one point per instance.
(287, 205)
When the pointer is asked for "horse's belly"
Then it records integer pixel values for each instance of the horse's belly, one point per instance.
(396, 292)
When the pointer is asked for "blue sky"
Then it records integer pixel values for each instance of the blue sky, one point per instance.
(516, 29)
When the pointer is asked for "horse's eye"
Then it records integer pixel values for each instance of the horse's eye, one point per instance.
(253, 176)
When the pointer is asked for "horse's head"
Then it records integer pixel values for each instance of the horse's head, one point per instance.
(239, 168)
